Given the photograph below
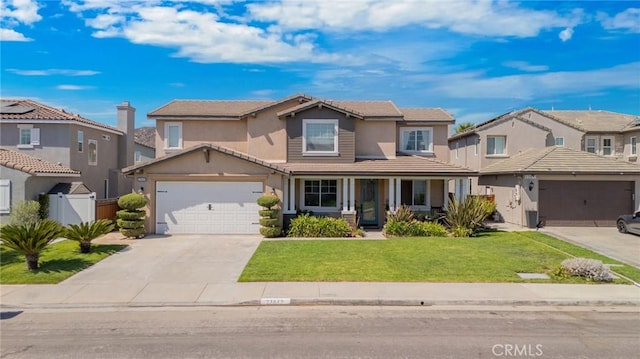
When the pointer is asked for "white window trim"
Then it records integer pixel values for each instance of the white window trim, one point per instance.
(612, 147)
(321, 209)
(80, 140)
(5, 196)
(336, 129)
(586, 144)
(505, 154)
(420, 207)
(34, 136)
(555, 141)
(89, 142)
(404, 131)
(137, 156)
(475, 146)
(166, 135)
(634, 146)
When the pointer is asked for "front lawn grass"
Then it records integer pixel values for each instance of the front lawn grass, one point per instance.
(489, 257)
(58, 262)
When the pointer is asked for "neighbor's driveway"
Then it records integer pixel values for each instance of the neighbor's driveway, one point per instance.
(604, 240)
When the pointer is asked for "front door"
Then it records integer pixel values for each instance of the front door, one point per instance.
(368, 202)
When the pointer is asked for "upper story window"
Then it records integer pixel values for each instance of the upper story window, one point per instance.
(457, 149)
(137, 156)
(80, 141)
(476, 144)
(93, 152)
(607, 146)
(320, 137)
(591, 145)
(29, 136)
(634, 146)
(320, 194)
(416, 139)
(559, 141)
(496, 145)
(173, 135)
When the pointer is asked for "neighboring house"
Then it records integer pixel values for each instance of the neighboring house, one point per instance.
(337, 158)
(144, 144)
(93, 149)
(497, 149)
(25, 177)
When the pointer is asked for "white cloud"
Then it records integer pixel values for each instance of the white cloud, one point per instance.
(73, 87)
(525, 66)
(628, 20)
(52, 72)
(12, 35)
(14, 13)
(484, 18)
(566, 34)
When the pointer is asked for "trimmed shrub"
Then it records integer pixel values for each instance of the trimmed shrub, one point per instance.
(269, 213)
(43, 199)
(268, 200)
(269, 222)
(592, 269)
(131, 217)
(306, 226)
(25, 212)
(270, 232)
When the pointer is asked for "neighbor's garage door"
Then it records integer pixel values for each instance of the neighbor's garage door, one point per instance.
(584, 203)
(207, 207)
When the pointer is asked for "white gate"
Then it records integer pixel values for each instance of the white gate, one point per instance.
(72, 208)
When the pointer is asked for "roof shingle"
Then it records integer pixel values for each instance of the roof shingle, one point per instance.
(33, 165)
(594, 121)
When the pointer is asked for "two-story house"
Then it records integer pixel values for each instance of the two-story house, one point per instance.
(338, 158)
(554, 167)
(39, 137)
(144, 144)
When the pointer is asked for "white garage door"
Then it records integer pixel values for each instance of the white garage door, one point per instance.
(207, 207)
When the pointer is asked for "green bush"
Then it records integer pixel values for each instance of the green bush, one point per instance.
(432, 229)
(130, 215)
(123, 223)
(469, 215)
(132, 233)
(268, 213)
(132, 201)
(268, 200)
(402, 214)
(85, 232)
(269, 222)
(306, 226)
(414, 228)
(270, 232)
(25, 212)
(43, 199)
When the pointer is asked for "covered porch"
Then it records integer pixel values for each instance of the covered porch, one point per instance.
(363, 192)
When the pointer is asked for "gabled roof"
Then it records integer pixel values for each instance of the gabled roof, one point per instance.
(371, 108)
(145, 136)
(70, 188)
(29, 110)
(594, 121)
(221, 149)
(206, 108)
(426, 114)
(320, 103)
(33, 165)
(560, 160)
(401, 165)
(300, 97)
(502, 118)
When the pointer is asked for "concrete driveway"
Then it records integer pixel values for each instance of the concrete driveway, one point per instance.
(604, 240)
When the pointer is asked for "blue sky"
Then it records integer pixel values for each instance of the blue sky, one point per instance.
(476, 59)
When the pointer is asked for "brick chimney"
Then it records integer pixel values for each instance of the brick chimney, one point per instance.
(126, 124)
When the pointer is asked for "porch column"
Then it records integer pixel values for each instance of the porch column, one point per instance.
(352, 194)
(398, 193)
(285, 196)
(345, 202)
(392, 197)
(446, 193)
(292, 196)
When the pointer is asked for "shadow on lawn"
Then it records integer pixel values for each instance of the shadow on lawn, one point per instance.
(63, 265)
(8, 257)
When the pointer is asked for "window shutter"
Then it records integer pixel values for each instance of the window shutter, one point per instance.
(5, 196)
(35, 136)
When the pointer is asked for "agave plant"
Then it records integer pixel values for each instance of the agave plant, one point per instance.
(85, 232)
(31, 239)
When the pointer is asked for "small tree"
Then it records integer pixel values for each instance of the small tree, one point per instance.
(131, 217)
(30, 239)
(25, 212)
(269, 216)
(85, 232)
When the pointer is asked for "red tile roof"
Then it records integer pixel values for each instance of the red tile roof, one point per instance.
(33, 165)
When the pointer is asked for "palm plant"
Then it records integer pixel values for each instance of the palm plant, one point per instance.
(85, 232)
(463, 127)
(465, 217)
(30, 239)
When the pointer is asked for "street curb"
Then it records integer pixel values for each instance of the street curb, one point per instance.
(337, 302)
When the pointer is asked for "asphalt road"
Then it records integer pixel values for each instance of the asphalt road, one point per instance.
(321, 332)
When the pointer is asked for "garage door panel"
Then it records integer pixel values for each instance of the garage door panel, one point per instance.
(207, 207)
(584, 203)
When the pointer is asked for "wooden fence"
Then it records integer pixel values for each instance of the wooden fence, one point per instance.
(107, 208)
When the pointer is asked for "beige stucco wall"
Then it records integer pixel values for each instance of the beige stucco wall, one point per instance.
(193, 167)
(572, 136)
(627, 146)
(375, 139)
(463, 152)
(228, 133)
(520, 137)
